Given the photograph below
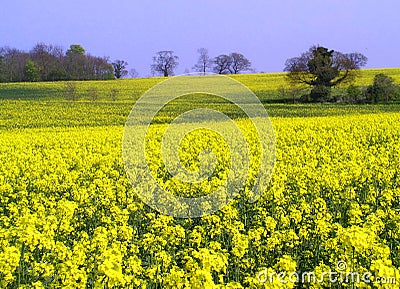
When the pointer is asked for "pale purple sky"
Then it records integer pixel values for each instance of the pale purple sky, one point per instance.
(266, 31)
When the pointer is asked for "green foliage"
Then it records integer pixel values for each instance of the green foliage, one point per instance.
(57, 74)
(75, 49)
(354, 93)
(32, 72)
(49, 63)
(321, 65)
(320, 93)
(383, 89)
(323, 69)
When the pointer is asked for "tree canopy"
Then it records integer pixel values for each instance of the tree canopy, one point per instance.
(233, 63)
(239, 63)
(120, 68)
(76, 49)
(50, 63)
(322, 69)
(383, 88)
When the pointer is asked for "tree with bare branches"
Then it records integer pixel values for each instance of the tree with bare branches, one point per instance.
(239, 63)
(204, 61)
(222, 63)
(164, 63)
(120, 68)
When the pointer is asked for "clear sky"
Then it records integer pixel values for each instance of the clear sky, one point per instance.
(265, 31)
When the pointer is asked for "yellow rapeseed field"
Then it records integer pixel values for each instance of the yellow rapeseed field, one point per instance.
(69, 217)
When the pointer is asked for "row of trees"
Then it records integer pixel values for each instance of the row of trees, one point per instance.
(318, 68)
(165, 62)
(233, 63)
(51, 63)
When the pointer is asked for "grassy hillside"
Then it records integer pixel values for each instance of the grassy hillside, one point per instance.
(265, 86)
(28, 105)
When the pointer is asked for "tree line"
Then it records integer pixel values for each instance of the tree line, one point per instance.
(51, 63)
(165, 62)
(319, 68)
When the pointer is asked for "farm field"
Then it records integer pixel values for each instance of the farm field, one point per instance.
(264, 85)
(69, 217)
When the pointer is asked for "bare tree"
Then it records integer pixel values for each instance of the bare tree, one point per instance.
(114, 93)
(93, 93)
(133, 73)
(120, 68)
(164, 63)
(98, 68)
(40, 54)
(222, 64)
(70, 91)
(57, 68)
(49, 59)
(13, 64)
(204, 62)
(239, 63)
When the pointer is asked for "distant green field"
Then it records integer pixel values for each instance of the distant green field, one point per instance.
(29, 105)
(265, 86)
(17, 114)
